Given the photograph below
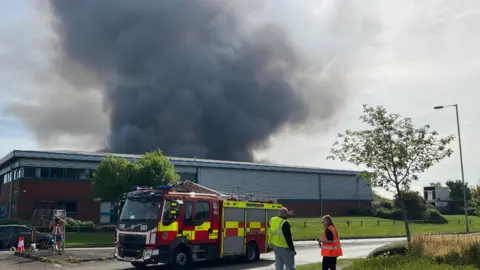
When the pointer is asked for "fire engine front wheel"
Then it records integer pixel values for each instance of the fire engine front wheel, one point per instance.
(252, 254)
(181, 258)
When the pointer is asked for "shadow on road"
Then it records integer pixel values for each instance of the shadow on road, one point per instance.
(224, 264)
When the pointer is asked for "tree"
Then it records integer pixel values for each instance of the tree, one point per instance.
(456, 196)
(392, 150)
(475, 204)
(436, 184)
(115, 176)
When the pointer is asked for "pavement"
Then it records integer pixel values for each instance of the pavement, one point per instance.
(307, 252)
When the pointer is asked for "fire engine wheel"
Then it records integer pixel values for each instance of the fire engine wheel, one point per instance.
(252, 254)
(181, 258)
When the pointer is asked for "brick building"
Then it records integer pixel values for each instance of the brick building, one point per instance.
(62, 179)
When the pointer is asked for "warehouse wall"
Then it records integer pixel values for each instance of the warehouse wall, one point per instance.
(261, 183)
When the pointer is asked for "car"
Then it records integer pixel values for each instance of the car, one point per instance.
(9, 235)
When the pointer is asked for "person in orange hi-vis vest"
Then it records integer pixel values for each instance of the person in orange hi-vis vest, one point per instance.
(330, 244)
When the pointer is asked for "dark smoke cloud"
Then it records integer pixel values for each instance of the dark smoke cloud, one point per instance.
(193, 78)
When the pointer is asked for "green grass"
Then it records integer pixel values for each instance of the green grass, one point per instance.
(378, 227)
(89, 239)
(318, 266)
(399, 263)
(369, 228)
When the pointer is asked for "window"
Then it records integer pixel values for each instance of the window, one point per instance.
(23, 230)
(8, 230)
(29, 172)
(44, 172)
(71, 173)
(188, 211)
(90, 174)
(69, 206)
(188, 176)
(83, 174)
(56, 172)
(202, 213)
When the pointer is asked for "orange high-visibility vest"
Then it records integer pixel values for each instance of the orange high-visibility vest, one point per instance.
(332, 249)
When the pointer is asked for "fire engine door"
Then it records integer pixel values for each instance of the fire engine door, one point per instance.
(197, 223)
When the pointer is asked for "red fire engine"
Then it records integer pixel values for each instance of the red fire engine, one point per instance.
(166, 224)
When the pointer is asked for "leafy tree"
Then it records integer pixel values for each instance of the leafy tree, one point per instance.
(436, 184)
(456, 196)
(392, 150)
(475, 203)
(112, 178)
(115, 176)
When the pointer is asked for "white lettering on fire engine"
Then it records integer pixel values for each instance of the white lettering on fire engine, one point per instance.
(143, 228)
(122, 226)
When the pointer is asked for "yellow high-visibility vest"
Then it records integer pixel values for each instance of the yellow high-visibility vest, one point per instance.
(276, 234)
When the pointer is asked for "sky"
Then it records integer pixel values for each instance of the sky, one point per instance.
(420, 54)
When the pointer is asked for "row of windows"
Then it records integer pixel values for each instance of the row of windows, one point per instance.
(33, 172)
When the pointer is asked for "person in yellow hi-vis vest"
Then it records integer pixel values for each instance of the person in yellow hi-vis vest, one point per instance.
(330, 244)
(281, 239)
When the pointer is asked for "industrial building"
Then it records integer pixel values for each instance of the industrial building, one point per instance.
(62, 179)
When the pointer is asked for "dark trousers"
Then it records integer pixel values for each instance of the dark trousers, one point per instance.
(329, 263)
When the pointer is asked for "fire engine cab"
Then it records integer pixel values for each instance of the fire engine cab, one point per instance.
(168, 224)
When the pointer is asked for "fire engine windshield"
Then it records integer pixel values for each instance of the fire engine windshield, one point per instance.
(143, 208)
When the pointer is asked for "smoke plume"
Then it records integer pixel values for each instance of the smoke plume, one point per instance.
(193, 78)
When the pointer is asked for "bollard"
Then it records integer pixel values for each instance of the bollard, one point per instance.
(305, 224)
(459, 222)
(378, 222)
(394, 223)
(361, 222)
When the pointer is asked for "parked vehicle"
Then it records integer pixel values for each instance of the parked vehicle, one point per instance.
(160, 225)
(9, 235)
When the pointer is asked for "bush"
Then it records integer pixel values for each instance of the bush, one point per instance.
(360, 212)
(395, 214)
(402, 263)
(387, 204)
(395, 248)
(434, 216)
(13, 221)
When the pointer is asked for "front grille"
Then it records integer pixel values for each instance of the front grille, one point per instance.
(132, 241)
(131, 245)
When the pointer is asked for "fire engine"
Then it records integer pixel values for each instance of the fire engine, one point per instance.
(177, 226)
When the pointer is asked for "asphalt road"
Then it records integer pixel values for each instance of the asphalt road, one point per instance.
(308, 252)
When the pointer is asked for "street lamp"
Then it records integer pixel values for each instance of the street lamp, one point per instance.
(465, 204)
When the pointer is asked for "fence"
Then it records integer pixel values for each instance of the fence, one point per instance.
(349, 223)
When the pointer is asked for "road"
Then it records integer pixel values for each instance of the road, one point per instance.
(308, 252)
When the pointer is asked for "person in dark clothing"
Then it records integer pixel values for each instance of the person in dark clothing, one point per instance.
(287, 233)
(330, 244)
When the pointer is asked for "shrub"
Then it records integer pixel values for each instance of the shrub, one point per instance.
(395, 248)
(395, 213)
(387, 204)
(13, 221)
(432, 214)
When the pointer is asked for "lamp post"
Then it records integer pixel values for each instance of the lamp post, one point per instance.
(465, 204)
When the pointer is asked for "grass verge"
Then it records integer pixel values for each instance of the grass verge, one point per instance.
(363, 227)
(318, 266)
(402, 263)
(89, 239)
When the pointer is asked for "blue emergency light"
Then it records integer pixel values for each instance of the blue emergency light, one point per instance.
(164, 187)
(140, 187)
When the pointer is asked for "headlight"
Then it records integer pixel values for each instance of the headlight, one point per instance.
(147, 254)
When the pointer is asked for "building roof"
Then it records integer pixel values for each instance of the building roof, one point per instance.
(177, 161)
